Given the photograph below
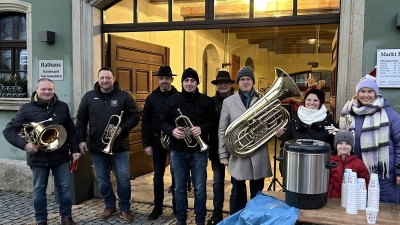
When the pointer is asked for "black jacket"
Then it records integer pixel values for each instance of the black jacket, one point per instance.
(213, 151)
(151, 127)
(199, 108)
(96, 111)
(296, 129)
(37, 111)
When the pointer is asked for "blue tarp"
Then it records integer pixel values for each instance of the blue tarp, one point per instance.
(264, 210)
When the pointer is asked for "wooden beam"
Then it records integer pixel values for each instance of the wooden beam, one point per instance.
(330, 27)
(159, 2)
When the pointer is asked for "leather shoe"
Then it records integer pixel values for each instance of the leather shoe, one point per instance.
(126, 216)
(67, 221)
(41, 223)
(108, 212)
(157, 211)
(216, 217)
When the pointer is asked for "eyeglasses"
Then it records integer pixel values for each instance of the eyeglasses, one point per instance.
(245, 80)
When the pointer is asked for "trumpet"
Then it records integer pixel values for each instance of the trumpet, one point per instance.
(48, 138)
(110, 133)
(188, 134)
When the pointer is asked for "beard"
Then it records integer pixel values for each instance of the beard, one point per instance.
(165, 87)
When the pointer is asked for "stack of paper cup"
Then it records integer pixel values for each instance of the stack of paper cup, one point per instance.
(362, 194)
(352, 196)
(373, 191)
(344, 189)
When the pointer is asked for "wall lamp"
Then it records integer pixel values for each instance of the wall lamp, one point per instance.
(398, 20)
(47, 36)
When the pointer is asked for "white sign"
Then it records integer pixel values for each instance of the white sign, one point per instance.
(388, 68)
(23, 58)
(52, 69)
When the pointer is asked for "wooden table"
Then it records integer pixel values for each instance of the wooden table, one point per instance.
(334, 213)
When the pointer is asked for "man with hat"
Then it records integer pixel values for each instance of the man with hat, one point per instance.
(185, 156)
(224, 83)
(151, 131)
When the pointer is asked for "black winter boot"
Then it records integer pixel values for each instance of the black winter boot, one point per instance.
(216, 217)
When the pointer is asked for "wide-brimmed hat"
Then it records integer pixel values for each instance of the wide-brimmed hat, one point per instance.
(222, 76)
(164, 71)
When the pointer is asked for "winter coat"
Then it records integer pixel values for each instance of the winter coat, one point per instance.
(37, 111)
(389, 191)
(197, 107)
(254, 167)
(336, 174)
(213, 151)
(151, 127)
(96, 111)
(296, 129)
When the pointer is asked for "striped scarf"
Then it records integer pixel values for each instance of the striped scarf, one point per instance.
(374, 138)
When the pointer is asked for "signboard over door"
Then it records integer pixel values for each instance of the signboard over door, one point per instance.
(388, 68)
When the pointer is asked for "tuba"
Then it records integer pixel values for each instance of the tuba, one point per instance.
(259, 123)
(110, 133)
(188, 134)
(48, 138)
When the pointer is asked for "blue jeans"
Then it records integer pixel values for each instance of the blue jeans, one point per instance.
(238, 197)
(184, 163)
(61, 180)
(159, 159)
(219, 183)
(119, 163)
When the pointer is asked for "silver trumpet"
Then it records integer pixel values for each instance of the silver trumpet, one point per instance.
(190, 139)
(110, 133)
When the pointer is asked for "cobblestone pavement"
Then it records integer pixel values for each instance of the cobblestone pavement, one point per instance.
(17, 208)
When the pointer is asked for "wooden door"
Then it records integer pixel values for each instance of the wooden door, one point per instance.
(334, 73)
(134, 63)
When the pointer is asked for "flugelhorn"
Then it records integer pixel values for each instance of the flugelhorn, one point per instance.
(259, 123)
(110, 133)
(164, 139)
(48, 138)
(188, 134)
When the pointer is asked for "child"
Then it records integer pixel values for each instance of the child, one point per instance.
(345, 158)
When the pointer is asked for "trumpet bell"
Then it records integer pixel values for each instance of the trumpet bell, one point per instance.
(47, 139)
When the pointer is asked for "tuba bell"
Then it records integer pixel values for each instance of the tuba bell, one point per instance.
(48, 138)
(110, 133)
(259, 123)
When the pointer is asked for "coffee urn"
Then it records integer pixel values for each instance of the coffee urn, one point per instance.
(306, 173)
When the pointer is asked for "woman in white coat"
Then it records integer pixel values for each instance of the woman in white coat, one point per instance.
(254, 168)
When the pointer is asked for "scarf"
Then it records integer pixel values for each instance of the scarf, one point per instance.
(310, 116)
(246, 97)
(374, 138)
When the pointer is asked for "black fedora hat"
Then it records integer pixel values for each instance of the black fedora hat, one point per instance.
(222, 76)
(164, 71)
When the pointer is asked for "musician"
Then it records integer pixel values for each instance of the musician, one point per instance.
(151, 130)
(44, 105)
(200, 111)
(96, 108)
(254, 168)
(224, 83)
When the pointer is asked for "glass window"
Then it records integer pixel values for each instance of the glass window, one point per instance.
(270, 8)
(152, 11)
(231, 9)
(188, 10)
(121, 12)
(307, 7)
(13, 56)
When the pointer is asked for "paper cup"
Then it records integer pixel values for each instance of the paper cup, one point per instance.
(372, 214)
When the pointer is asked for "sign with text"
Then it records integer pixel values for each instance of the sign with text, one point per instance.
(52, 69)
(388, 68)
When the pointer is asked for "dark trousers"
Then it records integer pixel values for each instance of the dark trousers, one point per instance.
(238, 197)
(159, 161)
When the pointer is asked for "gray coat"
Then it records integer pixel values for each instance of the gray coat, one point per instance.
(253, 167)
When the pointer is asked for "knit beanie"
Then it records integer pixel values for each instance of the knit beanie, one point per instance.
(344, 135)
(320, 95)
(367, 82)
(245, 71)
(189, 72)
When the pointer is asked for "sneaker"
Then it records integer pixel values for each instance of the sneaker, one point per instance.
(67, 221)
(126, 216)
(108, 212)
(216, 217)
(157, 211)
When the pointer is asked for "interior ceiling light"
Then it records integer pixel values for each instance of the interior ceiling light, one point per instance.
(311, 41)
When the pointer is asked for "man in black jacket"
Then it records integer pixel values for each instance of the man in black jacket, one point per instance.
(45, 105)
(224, 83)
(185, 156)
(151, 130)
(95, 109)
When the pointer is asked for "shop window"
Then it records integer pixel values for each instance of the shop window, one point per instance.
(13, 56)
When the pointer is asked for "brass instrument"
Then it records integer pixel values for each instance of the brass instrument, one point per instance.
(48, 138)
(164, 139)
(188, 134)
(259, 123)
(110, 133)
